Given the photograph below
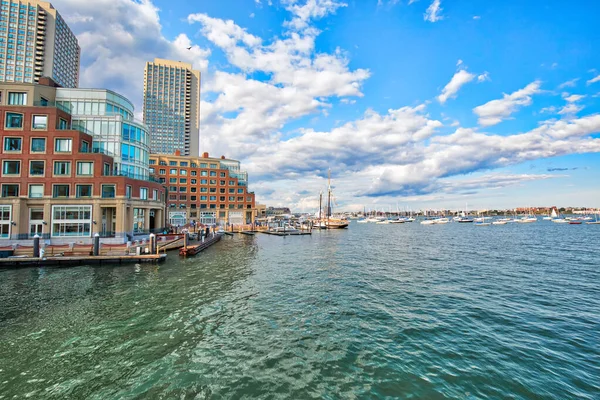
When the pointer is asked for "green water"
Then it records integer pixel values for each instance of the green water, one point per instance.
(375, 311)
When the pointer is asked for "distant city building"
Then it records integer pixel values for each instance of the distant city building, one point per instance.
(204, 189)
(172, 107)
(274, 211)
(54, 182)
(35, 41)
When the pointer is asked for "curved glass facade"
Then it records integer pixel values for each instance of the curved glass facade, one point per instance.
(108, 117)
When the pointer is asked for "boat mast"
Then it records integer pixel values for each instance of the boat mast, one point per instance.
(328, 194)
(320, 204)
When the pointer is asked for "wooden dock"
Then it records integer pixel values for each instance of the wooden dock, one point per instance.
(80, 260)
(194, 249)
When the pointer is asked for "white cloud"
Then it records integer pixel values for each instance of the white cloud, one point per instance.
(459, 62)
(312, 9)
(570, 83)
(476, 17)
(594, 80)
(433, 11)
(495, 111)
(570, 109)
(573, 98)
(483, 77)
(458, 80)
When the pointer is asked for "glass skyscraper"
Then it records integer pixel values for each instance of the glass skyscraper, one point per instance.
(35, 41)
(172, 107)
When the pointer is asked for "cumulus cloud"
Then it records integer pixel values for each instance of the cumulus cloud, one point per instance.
(118, 37)
(495, 111)
(432, 14)
(459, 79)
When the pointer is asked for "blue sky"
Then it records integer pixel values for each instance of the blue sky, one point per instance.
(424, 104)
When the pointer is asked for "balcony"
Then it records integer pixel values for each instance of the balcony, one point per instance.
(52, 104)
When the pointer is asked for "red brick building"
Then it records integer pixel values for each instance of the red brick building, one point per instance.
(204, 189)
(53, 184)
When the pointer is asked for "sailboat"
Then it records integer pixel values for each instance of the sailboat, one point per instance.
(556, 219)
(330, 222)
(596, 222)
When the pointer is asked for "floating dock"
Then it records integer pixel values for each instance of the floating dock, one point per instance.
(192, 250)
(293, 233)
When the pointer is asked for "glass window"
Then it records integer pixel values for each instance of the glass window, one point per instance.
(62, 124)
(14, 120)
(144, 193)
(139, 215)
(155, 194)
(183, 180)
(5, 218)
(36, 168)
(108, 191)
(62, 168)
(213, 165)
(173, 171)
(162, 171)
(12, 144)
(38, 145)
(71, 220)
(11, 190)
(182, 172)
(203, 173)
(85, 168)
(17, 98)
(60, 191)
(222, 174)
(172, 180)
(63, 145)
(173, 163)
(128, 191)
(11, 167)
(213, 173)
(36, 191)
(203, 165)
(85, 147)
(183, 164)
(84, 191)
(40, 122)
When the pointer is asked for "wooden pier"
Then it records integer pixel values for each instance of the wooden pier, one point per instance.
(192, 250)
(79, 260)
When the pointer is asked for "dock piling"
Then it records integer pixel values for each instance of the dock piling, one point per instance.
(36, 246)
(96, 249)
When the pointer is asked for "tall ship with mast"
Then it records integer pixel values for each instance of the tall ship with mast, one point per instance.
(329, 221)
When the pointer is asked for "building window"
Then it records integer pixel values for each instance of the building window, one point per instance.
(203, 173)
(36, 191)
(172, 180)
(222, 174)
(40, 122)
(11, 167)
(213, 173)
(5, 218)
(36, 222)
(12, 144)
(182, 172)
(17, 98)
(85, 168)
(14, 120)
(36, 168)
(173, 171)
(222, 183)
(154, 194)
(62, 124)
(71, 220)
(183, 164)
(85, 147)
(108, 191)
(162, 171)
(183, 180)
(213, 165)
(60, 191)
(11, 190)
(38, 145)
(231, 183)
(106, 169)
(84, 191)
(213, 181)
(63, 145)
(144, 193)
(138, 220)
(182, 189)
(62, 168)
(172, 163)
(128, 191)
(193, 173)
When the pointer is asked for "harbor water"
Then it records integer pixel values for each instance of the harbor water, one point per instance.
(374, 311)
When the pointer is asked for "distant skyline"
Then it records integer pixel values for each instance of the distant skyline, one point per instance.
(420, 103)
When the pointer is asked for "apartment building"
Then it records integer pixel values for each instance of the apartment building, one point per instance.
(204, 189)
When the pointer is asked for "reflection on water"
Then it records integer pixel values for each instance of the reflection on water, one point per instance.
(375, 311)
